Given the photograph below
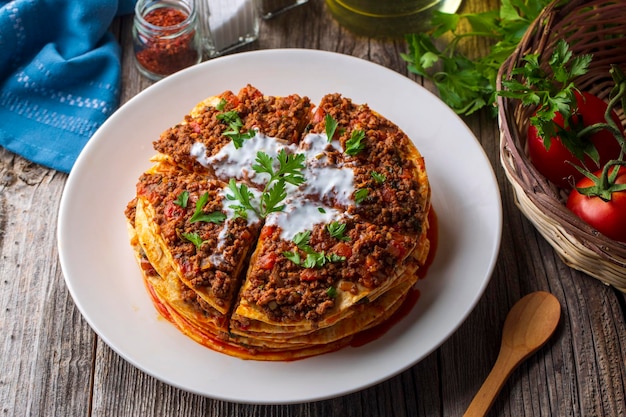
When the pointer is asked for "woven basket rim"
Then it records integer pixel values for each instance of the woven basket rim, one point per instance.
(538, 199)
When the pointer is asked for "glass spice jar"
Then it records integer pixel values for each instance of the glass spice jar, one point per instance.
(272, 8)
(232, 24)
(165, 37)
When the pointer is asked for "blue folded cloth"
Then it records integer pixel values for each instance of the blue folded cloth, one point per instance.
(59, 76)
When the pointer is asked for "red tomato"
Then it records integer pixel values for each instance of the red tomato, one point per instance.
(552, 163)
(318, 116)
(309, 275)
(267, 231)
(172, 210)
(388, 194)
(267, 261)
(342, 249)
(607, 217)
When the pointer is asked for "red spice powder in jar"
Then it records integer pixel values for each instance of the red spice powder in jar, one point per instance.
(163, 45)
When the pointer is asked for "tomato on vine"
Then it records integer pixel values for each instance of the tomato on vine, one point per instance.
(557, 157)
(569, 128)
(600, 200)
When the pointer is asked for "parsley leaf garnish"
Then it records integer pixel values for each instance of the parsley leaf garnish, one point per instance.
(331, 292)
(379, 178)
(313, 259)
(182, 199)
(293, 257)
(234, 122)
(337, 230)
(289, 170)
(301, 239)
(244, 196)
(221, 105)
(331, 126)
(319, 259)
(200, 216)
(193, 238)
(360, 195)
(231, 118)
(355, 144)
(271, 198)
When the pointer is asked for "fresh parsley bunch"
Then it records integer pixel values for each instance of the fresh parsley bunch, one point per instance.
(466, 84)
(550, 94)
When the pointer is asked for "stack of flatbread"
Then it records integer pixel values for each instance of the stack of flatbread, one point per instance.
(269, 228)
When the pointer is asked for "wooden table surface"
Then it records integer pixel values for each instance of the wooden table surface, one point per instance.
(53, 364)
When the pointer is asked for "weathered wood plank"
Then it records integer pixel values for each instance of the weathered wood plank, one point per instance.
(46, 345)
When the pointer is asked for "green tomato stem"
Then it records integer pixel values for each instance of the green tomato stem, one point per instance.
(610, 124)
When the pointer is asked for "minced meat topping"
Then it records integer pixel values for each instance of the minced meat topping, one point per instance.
(288, 292)
(279, 117)
(379, 231)
(213, 261)
(385, 167)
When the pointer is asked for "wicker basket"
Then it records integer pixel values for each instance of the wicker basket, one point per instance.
(597, 27)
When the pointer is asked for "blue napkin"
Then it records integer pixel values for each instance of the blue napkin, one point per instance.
(59, 76)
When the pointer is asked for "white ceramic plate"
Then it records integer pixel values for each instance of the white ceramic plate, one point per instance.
(106, 284)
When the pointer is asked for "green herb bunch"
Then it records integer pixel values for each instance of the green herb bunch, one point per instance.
(551, 94)
(465, 84)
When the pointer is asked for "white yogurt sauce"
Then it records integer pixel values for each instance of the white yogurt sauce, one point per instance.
(198, 151)
(323, 179)
(299, 215)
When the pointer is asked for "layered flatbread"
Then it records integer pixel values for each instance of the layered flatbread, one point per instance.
(272, 229)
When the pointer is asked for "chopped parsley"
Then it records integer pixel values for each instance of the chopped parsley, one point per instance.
(290, 167)
(360, 195)
(243, 195)
(234, 122)
(313, 259)
(379, 178)
(331, 292)
(337, 230)
(302, 239)
(319, 259)
(193, 238)
(331, 126)
(200, 216)
(182, 199)
(221, 105)
(293, 257)
(355, 144)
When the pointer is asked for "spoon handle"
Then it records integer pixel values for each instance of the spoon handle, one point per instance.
(527, 327)
(486, 395)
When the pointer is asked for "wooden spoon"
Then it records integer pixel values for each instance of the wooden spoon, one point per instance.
(527, 327)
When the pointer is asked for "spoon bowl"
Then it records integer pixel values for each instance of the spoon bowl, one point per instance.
(528, 326)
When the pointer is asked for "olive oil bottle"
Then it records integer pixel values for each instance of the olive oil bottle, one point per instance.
(388, 18)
